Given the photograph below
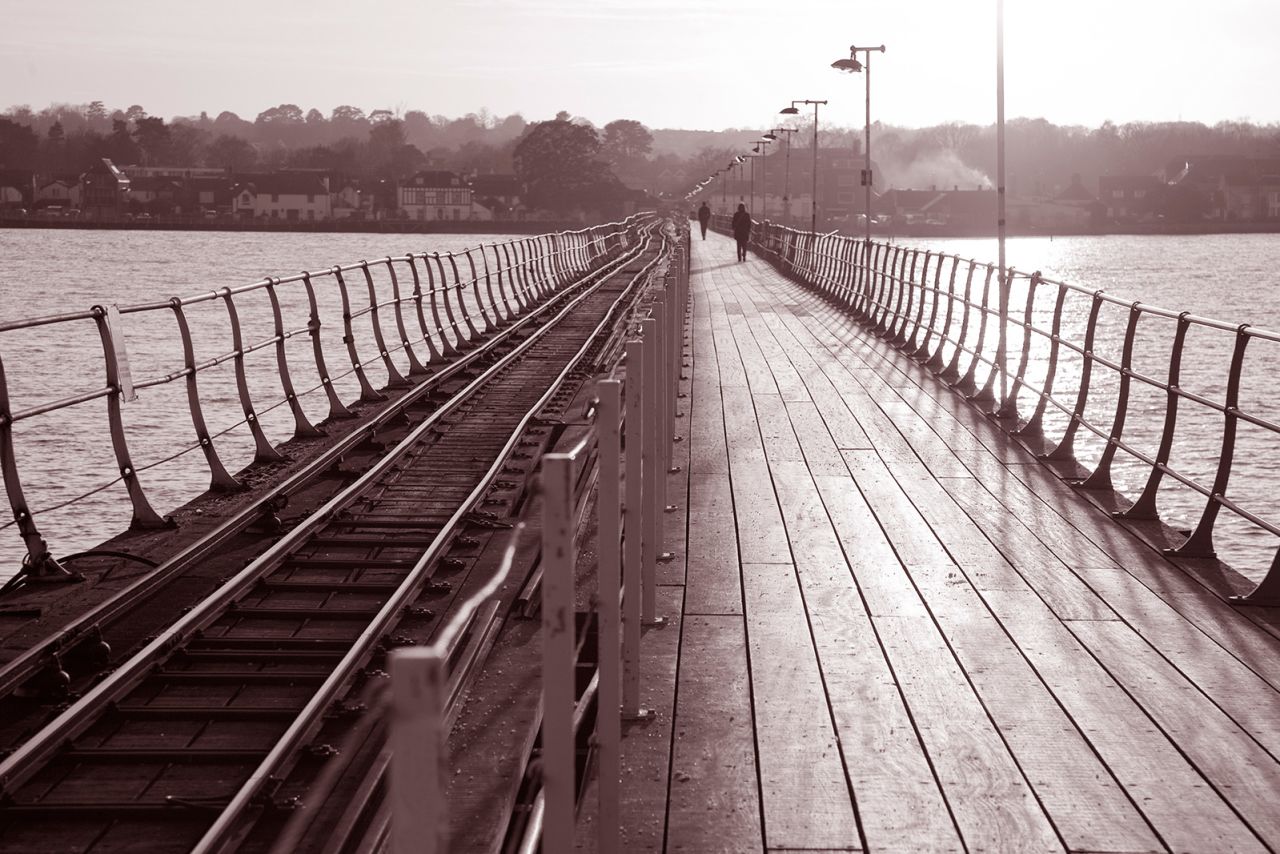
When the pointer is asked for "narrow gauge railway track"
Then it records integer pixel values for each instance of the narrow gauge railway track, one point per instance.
(182, 746)
(73, 656)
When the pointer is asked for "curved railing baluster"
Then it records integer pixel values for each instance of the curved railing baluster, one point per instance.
(264, 451)
(458, 287)
(416, 368)
(302, 426)
(1100, 478)
(337, 409)
(437, 289)
(38, 562)
(489, 325)
(1200, 543)
(1145, 507)
(144, 516)
(433, 355)
(1065, 449)
(220, 479)
(367, 391)
(394, 377)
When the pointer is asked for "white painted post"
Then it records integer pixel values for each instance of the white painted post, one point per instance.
(652, 413)
(558, 630)
(608, 722)
(634, 528)
(419, 823)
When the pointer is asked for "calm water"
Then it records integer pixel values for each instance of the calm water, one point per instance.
(1231, 277)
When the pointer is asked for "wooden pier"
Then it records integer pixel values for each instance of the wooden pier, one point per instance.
(888, 627)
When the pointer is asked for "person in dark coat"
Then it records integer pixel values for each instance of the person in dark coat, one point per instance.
(742, 230)
(704, 218)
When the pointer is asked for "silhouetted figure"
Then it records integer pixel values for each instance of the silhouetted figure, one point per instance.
(704, 218)
(742, 230)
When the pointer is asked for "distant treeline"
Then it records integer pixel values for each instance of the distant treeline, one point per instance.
(64, 139)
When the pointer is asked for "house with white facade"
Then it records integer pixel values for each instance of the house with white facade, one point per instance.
(439, 195)
(293, 197)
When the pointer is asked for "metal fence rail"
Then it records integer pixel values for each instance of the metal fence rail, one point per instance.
(640, 410)
(979, 333)
(478, 290)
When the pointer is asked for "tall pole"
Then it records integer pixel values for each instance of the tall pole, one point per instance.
(764, 181)
(786, 182)
(751, 203)
(1001, 342)
(813, 216)
(866, 174)
(724, 185)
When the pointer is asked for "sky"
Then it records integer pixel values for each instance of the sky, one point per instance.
(697, 64)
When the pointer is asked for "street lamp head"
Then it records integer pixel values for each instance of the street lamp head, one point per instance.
(770, 136)
(788, 111)
(850, 65)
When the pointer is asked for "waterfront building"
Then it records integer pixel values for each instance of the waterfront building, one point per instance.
(58, 192)
(439, 195)
(104, 189)
(288, 196)
(1129, 197)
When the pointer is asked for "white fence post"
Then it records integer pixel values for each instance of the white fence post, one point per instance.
(558, 631)
(419, 823)
(651, 410)
(609, 509)
(633, 563)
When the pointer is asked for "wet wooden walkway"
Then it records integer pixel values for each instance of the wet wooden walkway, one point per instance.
(892, 630)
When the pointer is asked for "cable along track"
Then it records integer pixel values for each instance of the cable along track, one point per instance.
(182, 746)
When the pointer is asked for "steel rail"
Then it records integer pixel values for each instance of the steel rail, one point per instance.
(24, 666)
(18, 766)
(342, 672)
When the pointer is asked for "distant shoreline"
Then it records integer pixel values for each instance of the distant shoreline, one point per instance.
(1141, 230)
(324, 226)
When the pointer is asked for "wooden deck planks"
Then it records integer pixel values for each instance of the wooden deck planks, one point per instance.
(804, 793)
(944, 650)
(714, 798)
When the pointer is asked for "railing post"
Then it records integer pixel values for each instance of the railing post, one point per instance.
(609, 579)
(417, 738)
(394, 378)
(416, 368)
(633, 527)
(117, 369)
(367, 391)
(302, 426)
(459, 287)
(489, 325)
(558, 635)
(451, 348)
(1034, 426)
(337, 409)
(1066, 448)
(652, 413)
(220, 479)
(39, 563)
(1145, 506)
(1200, 543)
(264, 452)
(1101, 476)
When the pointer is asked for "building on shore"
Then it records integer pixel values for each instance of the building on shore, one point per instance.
(104, 189)
(288, 196)
(438, 195)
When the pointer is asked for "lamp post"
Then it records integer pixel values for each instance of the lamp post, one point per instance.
(852, 66)
(786, 179)
(761, 148)
(792, 111)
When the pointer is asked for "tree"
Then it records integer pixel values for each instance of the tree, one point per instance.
(315, 117)
(231, 153)
(121, 146)
(626, 140)
(134, 113)
(19, 145)
(377, 117)
(152, 136)
(347, 114)
(559, 163)
(284, 114)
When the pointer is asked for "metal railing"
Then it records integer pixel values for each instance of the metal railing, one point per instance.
(1031, 350)
(453, 300)
(640, 409)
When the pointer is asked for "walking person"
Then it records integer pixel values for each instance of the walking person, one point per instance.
(704, 218)
(742, 230)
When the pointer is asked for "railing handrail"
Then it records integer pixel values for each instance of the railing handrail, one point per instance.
(534, 267)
